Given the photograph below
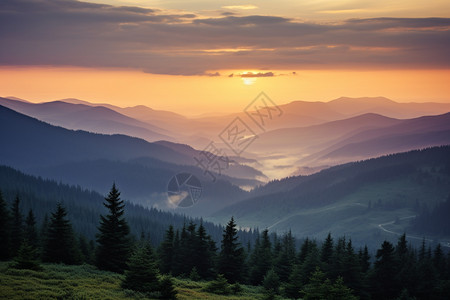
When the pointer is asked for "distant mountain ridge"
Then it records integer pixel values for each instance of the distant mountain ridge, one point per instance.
(166, 125)
(309, 136)
(98, 119)
(350, 199)
(94, 160)
(24, 135)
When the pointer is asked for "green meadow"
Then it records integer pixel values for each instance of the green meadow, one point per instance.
(57, 281)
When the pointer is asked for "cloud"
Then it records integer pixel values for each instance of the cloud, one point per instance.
(216, 74)
(242, 21)
(227, 13)
(254, 75)
(72, 33)
(244, 7)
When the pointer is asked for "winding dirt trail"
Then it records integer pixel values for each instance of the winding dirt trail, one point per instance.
(381, 226)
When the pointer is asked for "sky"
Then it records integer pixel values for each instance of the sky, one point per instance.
(195, 57)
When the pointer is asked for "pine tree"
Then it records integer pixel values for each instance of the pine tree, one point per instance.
(439, 261)
(60, 245)
(177, 263)
(31, 234)
(86, 249)
(261, 259)
(352, 269)
(219, 286)
(406, 263)
(43, 232)
(326, 253)
(318, 286)
(426, 274)
(26, 258)
(204, 257)
(402, 248)
(166, 252)
(364, 260)
(184, 255)
(167, 288)
(231, 257)
(304, 250)
(321, 288)
(286, 258)
(339, 291)
(142, 272)
(384, 282)
(311, 262)
(271, 282)
(4, 230)
(294, 285)
(113, 239)
(17, 227)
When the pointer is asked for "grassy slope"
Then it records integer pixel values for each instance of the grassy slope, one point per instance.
(86, 282)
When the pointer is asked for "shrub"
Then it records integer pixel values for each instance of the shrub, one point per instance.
(219, 286)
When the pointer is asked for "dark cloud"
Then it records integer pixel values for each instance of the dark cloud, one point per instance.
(228, 13)
(72, 33)
(242, 21)
(259, 74)
(216, 74)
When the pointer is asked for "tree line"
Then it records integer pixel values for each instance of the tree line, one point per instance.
(331, 269)
(84, 207)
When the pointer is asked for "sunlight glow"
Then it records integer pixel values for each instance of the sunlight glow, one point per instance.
(248, 80)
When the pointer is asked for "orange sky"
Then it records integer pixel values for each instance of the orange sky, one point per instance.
(194, 95)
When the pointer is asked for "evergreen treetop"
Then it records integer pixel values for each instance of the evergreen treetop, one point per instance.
(113, 237)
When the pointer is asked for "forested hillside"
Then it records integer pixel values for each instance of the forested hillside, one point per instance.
(85, 206)
(352, 199)
(328, 269)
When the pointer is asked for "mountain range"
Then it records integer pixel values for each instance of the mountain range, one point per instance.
(307, 137)
(141, 149)
(92, 160)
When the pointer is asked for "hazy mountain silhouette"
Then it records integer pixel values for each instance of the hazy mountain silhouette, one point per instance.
(308, 136)
(386, 107)
(397, 137)
(30, 142)
(98, 119)
(95, 160)
(313, 137)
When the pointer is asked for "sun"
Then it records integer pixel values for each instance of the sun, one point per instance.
(249, 80)
(247, 77)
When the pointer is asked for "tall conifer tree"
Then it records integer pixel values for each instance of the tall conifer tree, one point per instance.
(166, 251)
(31, 234)
(16, 227)
(113, 239)
(231, 258)
(60, 245)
